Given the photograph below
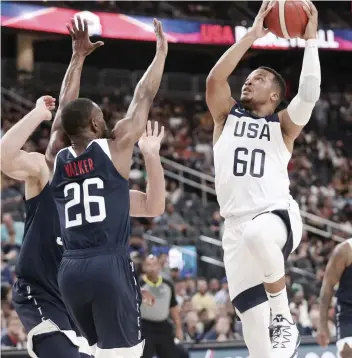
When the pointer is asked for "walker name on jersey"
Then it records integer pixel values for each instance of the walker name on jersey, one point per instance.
(252, 130)
(79, 167)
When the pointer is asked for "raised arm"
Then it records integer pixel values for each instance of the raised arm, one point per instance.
(218, 92)
(151, 203)
(333, 272)
(299, 111)
(15, 162)
(81, 48)
(133, 125)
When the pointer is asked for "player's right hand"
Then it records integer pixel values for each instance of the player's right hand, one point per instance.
(46, 104)
(323, 336)
(81, 44)
(258, 29)
(161, 41)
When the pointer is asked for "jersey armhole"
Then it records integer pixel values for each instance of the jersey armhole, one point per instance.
(34, 199)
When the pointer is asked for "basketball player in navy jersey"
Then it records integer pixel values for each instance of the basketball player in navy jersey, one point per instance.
(262, 221)
(338, 272)
(36, 295)
(90, 184)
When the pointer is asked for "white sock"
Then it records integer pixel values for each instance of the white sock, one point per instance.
(279, 304)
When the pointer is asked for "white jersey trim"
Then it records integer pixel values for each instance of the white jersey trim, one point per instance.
(104, 145)
(48, 326)
(72, 151)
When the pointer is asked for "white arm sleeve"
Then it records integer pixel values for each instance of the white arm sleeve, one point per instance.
(301, 107)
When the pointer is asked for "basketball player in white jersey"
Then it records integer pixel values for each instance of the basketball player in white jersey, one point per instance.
(252, 147)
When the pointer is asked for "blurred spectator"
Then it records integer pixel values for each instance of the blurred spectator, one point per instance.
(222, 331)
(6, 273)
(214, 286)
(216, 224)
(15, 336)
(180, 291)
(173, 192)
(173, 220)
(11, 197)
(203, 299)
(11, 232)
(193, 329)
(222, 296)
(299, 307)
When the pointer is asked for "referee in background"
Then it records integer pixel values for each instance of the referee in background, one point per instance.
(156, 328)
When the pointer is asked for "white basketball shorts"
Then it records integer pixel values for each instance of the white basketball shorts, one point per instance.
(244, 277)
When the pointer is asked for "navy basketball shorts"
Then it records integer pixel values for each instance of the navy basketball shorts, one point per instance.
(100, 290)
(343, 326)
(43, 315)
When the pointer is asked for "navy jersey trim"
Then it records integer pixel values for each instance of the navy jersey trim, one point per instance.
(250, 298)
(239, 111)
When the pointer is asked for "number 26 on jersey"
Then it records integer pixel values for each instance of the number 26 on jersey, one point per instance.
(86, 200)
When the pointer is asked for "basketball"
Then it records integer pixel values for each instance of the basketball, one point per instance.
(287, 19)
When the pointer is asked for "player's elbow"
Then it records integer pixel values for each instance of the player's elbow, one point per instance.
(6, 159)
(211, 80)
(156, 208)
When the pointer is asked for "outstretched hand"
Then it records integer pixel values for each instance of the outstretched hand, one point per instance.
(151, 139)
(258, 29)
(81, 44)
(161, 41)
(46, 104)
(312, 26)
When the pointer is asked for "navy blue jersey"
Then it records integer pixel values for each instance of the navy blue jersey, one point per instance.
(41, 250)
(344, 292)
(92, 198)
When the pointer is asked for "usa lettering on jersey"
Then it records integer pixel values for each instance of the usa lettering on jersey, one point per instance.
(252, 130)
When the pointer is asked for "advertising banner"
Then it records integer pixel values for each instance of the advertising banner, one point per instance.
(118, 26)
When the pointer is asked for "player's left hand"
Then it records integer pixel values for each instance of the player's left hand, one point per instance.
(161, 41)
(312, 26)
(147, 298)
(46, 104)
(151, 139)
(81, 44)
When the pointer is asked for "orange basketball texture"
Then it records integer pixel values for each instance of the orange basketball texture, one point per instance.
(287, 19)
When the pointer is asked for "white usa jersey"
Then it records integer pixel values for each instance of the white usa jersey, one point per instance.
(251, 161)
